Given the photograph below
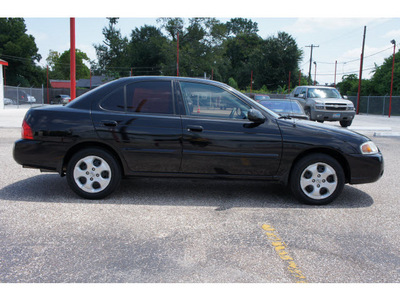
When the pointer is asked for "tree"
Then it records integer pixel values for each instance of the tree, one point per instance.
(200, 45)
(59, 65)
(274, 59)
(381, 79)
(348, 85)
(112, 54)
(147, 50)
(241, 26)
(20, 50)
(238, 51)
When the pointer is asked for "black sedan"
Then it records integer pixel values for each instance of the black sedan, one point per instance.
(171, 126)
(285, 107)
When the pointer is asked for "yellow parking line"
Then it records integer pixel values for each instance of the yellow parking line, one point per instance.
(281, 249)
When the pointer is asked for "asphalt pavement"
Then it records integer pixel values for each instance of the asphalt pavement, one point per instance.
(192, 230)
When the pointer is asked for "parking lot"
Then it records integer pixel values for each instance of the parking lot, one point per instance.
(192, 230)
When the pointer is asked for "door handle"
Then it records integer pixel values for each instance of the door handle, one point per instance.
(195, 128)
(109, 123)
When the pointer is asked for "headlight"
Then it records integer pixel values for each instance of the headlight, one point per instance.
(319, 105)
(350, 107)
(369, 148)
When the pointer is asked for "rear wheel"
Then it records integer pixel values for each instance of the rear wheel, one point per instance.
(317, 179)
(93, 173)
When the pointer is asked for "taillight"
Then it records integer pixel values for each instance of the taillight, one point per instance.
(26, 132)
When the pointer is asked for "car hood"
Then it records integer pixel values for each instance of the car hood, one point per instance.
(317, 134)
(333, 100)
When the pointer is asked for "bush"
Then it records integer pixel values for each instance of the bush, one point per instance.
(232, 82)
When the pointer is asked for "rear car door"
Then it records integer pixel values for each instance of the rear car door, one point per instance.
(140, 120)
(219, 139)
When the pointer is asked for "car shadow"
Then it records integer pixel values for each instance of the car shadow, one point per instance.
(222, 194)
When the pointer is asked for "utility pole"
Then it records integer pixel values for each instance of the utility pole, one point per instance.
(309, 70)
(361, 67)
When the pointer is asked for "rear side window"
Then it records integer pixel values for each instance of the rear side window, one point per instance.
(153, 97)
(114, 101)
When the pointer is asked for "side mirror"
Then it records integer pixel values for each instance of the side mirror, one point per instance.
(255, 116)
(302, 96)
(345, 97)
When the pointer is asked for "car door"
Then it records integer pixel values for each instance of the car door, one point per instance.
(140, 120)
(219, 139)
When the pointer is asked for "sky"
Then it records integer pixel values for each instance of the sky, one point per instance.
(337, 29)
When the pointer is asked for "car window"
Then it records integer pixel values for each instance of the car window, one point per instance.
(150, 97)
(210, 101)
(114, 101)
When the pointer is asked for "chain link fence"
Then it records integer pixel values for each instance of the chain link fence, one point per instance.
(377, 105)
(20, 97)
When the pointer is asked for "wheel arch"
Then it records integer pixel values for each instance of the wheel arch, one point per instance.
(90, 144)
(331, 152)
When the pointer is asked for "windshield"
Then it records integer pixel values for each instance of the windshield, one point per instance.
(323, 93)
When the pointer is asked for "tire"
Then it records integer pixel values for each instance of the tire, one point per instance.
(308, 113)
(317, 179)
(346, 123)
(93, 173)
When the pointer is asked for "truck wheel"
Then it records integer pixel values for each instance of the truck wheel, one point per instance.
(317, 179)
(308, 113)
(346, 123)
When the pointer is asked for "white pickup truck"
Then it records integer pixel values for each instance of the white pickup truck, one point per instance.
(323, 103)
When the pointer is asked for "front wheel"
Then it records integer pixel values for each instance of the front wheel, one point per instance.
(346, 123)
(317, 179)
(93, 173)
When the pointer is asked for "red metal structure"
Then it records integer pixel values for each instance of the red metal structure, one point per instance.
(72, 63)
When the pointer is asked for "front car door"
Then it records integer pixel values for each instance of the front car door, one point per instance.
(218, 139)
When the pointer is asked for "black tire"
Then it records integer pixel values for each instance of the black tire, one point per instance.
(317, 179)
(308, 113)
(93, 173)
(346, 123)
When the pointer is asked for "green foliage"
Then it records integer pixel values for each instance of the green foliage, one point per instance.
(21, 52)
(381, 80)
(59, 65)
(232, 82)
(112, 54)
(241, 26)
